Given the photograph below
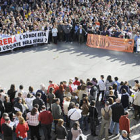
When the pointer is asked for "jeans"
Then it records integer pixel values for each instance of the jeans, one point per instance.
(46, 130)
(84, 123)
(24, 138)
(113, 124)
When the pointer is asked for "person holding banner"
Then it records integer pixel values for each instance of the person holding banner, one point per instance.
(137, 42)
(54, 34)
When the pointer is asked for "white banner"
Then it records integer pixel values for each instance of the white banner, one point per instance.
(138, 45)
(21, 40)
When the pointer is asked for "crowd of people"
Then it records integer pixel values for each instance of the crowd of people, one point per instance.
(68, 110)
(71, 20)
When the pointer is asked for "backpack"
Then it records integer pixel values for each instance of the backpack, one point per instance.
(106, 116)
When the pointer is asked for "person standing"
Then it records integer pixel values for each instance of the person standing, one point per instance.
(38, 101)
(51, 96)
(76, 131)
(46, 119)
(22, 128)
(60, 31)
(81, 33)
(54, 86)
(66, 104)
(11, 93)
(61, 131)
(136, 103)
(124, 123)
(93, 91)
(54, 34)
(117, 112)
(93, 114)
(33, 122)
(106, 116)
(56, 110)
(61, 93)
(74, 114)
(109, 82)
(85, 110)
(49, 29)
(125, 99)
(7, 129)
(116, 82)
(43, 92)
(102, 88)
(67, 29)
(24, 94)
(18, 105)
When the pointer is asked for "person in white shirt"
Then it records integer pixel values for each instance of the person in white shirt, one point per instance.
(54, 34)
(102, 87)
(29, 101)
(66, 104)
(74, 114)
(24, 94)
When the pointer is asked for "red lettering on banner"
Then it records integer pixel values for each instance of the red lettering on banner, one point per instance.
(10, 40)
(5, 41)
(1, 43)
(14, 40)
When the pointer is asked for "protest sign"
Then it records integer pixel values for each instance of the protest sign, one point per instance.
(24, 39)
(110, 43)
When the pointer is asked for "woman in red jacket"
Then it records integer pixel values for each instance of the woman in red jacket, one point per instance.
(22, 129)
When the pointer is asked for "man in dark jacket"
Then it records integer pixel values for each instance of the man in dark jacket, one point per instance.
(81, 33)
(42, 90)
(38, 101)
(60, 31)
(49, 28)
(67, 29)
(56, 110)
(125, 99)
(117, 112)
(93, 118)
(18, 105)
(7, 129)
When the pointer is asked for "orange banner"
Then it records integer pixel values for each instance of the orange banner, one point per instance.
(110, 43)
